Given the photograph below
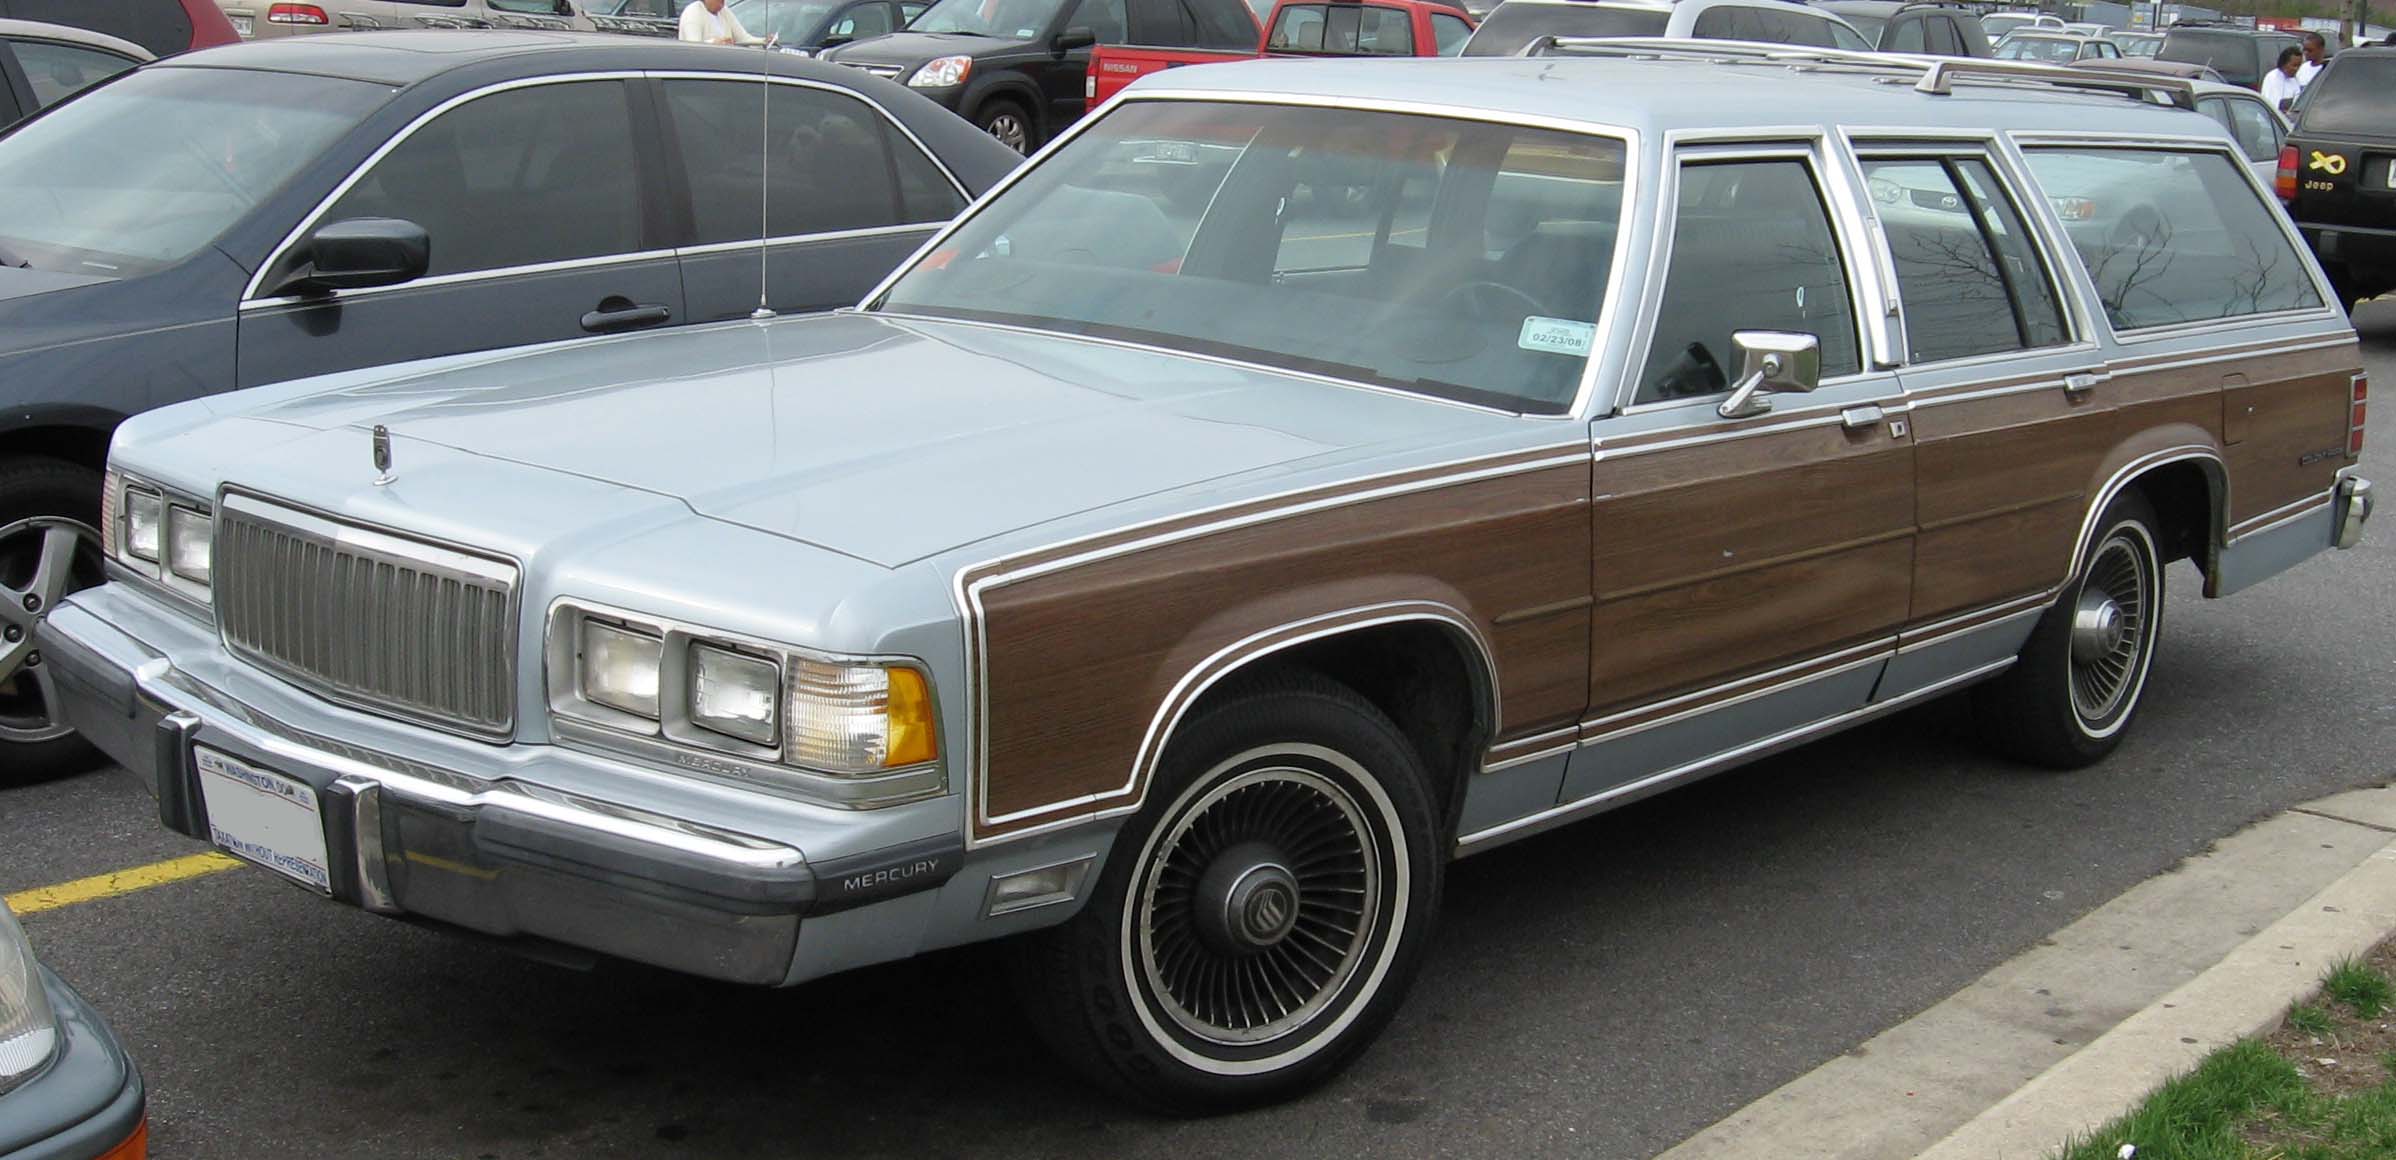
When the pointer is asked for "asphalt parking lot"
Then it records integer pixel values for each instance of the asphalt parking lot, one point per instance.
(1604, 990)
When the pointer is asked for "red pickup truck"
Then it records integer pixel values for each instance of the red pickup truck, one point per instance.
(1300, 28)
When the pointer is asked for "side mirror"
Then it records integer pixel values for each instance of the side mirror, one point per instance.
(1771, 362)
(1075, 38)
(835, 40)
(361, 252)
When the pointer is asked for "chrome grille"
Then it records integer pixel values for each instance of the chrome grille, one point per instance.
(386, 624)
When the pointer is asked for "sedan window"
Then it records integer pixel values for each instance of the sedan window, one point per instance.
(1289, 237)
(58, 71)
(833, 163)
(142, 174)
(1969, 282)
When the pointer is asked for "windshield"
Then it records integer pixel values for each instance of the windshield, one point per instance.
(1459, 259)
(2357, 95)
(1511, 26)
(1011, 19)
(2046, 48)
(792, 20)
(138, 175)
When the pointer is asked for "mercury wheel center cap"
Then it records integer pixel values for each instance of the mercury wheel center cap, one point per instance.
(2097, 627)
(1248, 899)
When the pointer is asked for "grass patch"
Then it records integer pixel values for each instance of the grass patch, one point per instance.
(2321, 1086)
(2355, 986)
(2308, 1018)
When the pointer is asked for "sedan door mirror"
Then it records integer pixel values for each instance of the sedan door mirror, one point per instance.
(361, 252)
(1771, 362)
(1075, 38)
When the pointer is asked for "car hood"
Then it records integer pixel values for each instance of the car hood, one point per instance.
(22, 283)
(885, 439)
(913, 48)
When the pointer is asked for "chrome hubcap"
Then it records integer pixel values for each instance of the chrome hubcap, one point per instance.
(41, 560)
(2109, 628)
(1009, 130)
(1259, 905)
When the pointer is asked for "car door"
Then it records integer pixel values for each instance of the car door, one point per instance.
(55, 70)
(543, 223)
(846, 194)
(1750, 574)
(2005, 438)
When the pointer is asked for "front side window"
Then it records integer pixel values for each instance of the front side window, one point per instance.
(1970, 281)
(1452, 33)
(832, 163)
(1752, 249)
(1463, 260)
(2172, 236)
(145, 172)
(517, 178)
(1008, 19)
(58, 71)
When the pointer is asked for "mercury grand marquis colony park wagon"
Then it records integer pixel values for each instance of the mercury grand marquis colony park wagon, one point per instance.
(1177, 578)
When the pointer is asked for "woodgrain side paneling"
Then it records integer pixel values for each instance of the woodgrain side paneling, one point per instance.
(2281, 405)
(1724, 558)
(1079, 660)
(2003, 483)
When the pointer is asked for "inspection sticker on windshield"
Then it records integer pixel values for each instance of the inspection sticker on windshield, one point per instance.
(1556, 335)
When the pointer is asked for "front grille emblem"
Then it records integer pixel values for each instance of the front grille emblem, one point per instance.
(382, 455)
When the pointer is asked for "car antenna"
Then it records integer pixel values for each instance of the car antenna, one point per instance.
(765, 161)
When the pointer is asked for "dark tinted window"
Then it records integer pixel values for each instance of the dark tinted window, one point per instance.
(1218, 25)
(158, 25)
(2172, 237)
(1722, 24)
(1942, 36)
(1796, 26)
(1751, 250)
(1962, 295)
(2232, 54)
(1907, 36)
(1106, 18)
(860, 22)
(1512, 25)
(2356, 95)
(1452, 32)
(57, 71)
(832, 163)
(543, 174)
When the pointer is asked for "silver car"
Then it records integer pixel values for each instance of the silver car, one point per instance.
(258, 19)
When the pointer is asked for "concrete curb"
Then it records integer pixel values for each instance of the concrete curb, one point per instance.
(2245, 993)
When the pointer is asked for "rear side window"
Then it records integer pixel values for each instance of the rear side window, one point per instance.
(1942, 36)
(158, 25)
(1512, 25)
(834, 163)
(2172, 237)
(1751, 250)
(1907, 37)
(1971, 282)
(2356, 95)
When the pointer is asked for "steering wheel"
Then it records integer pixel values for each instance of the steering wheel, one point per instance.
(1473, 299)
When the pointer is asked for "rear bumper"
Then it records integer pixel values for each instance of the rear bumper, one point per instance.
(485, 837)
(86, 1102)
(2352, 509)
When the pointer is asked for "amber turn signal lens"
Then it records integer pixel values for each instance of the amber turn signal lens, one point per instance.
(135, 1147)
(914, 739)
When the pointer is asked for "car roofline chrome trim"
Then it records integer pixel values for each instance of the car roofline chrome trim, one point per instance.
(1609, 310)
(793, 239)
(357, 173)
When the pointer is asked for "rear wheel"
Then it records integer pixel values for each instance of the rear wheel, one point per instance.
(2074, 692)
(1260, 920)
(47, 549)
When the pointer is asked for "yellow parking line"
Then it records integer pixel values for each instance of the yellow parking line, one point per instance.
(110, 885)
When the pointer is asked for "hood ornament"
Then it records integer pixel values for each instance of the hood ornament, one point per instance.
(382, 455)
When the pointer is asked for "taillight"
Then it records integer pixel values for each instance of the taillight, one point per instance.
(2354, 416)
(297, 14)
(2284, 182)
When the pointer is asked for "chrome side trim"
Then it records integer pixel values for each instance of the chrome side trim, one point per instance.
(1883, 650)
(1727, 686)
(2027, 606)
(2251, 350)
(366, 820)
(796, 239)
(2120, 479)
(1536, 747)
(460, 278)
(2281, 517)
(1498, 835)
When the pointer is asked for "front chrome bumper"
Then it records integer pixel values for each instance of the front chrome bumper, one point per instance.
(508, 856)
(2353, 508)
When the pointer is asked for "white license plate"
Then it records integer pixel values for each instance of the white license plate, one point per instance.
(264, 817)
(241, 25)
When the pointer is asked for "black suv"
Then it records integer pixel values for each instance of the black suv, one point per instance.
(2240, 55)
(1919, 29)
(2338, 172)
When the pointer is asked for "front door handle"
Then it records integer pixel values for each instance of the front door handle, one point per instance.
(2081, 382)
(1858, 418)
(622, 314)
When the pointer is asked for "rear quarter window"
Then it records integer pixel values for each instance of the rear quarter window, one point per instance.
(2172, 237)
(158, 25)
(2357, 95)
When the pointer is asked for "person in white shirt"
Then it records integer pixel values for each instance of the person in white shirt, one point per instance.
(706, 22)
(2316, 54)
(2280, 85)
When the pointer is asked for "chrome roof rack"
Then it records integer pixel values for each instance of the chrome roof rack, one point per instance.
(1935, 75)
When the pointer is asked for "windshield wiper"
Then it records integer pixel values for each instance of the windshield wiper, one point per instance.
(12, 259)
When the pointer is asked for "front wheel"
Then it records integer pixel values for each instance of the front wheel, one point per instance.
(1260, 920)
(2068, 700)
(1009, 125)
(47, 550)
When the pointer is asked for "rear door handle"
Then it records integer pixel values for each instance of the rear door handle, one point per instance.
(2082, 382)
(620, 314)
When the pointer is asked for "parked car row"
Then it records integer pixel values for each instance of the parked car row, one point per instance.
(1295, 479)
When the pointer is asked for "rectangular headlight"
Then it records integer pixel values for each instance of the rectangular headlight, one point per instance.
(619, 668)
(858, 719)
(735, 694)
(145, 514)
(189, 537)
